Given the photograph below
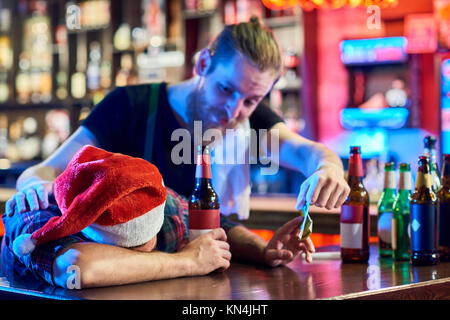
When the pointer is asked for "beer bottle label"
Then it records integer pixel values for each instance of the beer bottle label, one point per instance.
(385, 226)
(394, 233)
(405, 181)
(204, 219)
(352, 230)
(423, 227)
(444, 224)
(424, 180)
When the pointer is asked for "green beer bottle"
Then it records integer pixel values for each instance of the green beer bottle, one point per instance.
(430, 152)
(385, 207)
(400, 218)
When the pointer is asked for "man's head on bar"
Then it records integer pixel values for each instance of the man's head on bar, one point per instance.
(232, 76)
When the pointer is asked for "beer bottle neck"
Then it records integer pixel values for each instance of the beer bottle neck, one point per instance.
(203, 168)
(431, 152)
(355, 182)
(355, 168)
(389, 180)
(404, 182)
(424, 179)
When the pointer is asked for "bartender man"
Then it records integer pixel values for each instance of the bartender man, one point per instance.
(232, 76)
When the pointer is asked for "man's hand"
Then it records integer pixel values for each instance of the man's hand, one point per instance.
(209, 252)
(284, 246)
(326, 187)
(33, 196)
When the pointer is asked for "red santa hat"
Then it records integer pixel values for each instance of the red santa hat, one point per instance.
(109, 197)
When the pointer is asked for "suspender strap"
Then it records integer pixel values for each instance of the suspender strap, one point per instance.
(153, 106)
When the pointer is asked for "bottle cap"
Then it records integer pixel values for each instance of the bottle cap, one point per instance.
(405, 167)
(429, 141)
(355, 149)
(389, 166)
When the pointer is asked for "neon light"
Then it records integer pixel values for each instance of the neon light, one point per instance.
(389, 118)
(445, 105)
(373, 51)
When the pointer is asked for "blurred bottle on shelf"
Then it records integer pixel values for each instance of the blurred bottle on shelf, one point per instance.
(23, 143)
(4, 87)
(374, 179)
(6, 53)
(94, 73)
(94, 14)
(430, 151)
(126, 74)
(122, 37)
(34, 79)
(61, 74)
(61, 85)
(57, 124)
(5, 19)
(23, 87)
(105, 74)
(78, 83)
(3, 136)
(29, 144)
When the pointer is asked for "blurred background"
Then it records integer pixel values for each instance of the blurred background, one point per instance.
(368, 73)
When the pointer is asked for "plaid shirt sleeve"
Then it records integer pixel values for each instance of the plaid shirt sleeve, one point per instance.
(40, 261)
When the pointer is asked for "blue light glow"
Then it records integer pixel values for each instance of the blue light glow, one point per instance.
(445, 106)
(373, 51)
(389, 118)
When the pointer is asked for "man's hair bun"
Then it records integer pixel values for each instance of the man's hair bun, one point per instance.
(254, 20)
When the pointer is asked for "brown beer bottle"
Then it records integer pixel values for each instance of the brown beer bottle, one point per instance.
(423, 207)
(204, 213)
(354, 220)
(444, 210)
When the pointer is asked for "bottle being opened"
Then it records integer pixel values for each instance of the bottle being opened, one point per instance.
(385, 208)
(204, 213)
(444, 210)
(424, 233)
(354, 220)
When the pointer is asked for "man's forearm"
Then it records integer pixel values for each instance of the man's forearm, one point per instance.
(246, 245)
(106, 265)
(298, 153)
(36, 173)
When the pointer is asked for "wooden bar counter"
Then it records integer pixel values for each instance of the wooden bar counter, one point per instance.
(325, 278)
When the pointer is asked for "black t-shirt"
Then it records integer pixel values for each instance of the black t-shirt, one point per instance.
(119, 124)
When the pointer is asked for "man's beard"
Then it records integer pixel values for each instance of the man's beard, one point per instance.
(199, 110)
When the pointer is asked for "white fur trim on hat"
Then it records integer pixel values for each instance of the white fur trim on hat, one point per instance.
(132, 233)
(23, 244)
